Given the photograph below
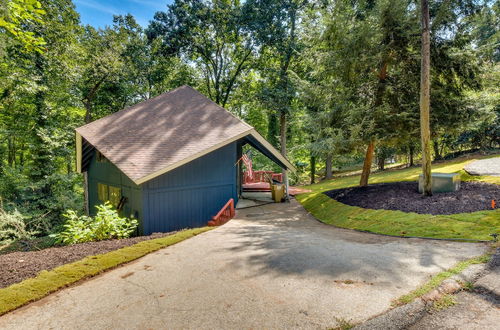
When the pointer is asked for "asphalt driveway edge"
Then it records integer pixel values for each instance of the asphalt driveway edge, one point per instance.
(398, 318)
(49, 281)
(404, 316)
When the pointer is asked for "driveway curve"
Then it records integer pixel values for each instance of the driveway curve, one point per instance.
(488, 166)
(274, 266)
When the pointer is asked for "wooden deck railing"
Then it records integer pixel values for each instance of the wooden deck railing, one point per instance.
(224, 215)
(262, 176)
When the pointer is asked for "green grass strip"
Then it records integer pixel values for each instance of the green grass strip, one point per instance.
(467, 226)
(475, 226)
(46, 282)
(436, 280)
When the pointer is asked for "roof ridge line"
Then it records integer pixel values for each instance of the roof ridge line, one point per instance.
(220, 106)
(133, 105)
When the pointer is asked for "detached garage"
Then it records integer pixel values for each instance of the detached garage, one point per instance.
(171, 161)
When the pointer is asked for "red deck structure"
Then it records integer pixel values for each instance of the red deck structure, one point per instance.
(257, 186)
(260, 182)
(261, 176)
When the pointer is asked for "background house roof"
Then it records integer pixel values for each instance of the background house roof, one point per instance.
(160, 134)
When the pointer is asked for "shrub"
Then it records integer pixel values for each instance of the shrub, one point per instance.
(107, 224)
(13, 227)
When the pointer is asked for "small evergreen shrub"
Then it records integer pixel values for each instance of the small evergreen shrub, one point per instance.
(107, 224)
(13, 227)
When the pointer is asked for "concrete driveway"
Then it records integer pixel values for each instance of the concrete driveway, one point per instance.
(273, 267)
(488, 166)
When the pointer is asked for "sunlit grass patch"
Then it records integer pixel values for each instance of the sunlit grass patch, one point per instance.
(444, 302)
(477, 225)
(407, 174)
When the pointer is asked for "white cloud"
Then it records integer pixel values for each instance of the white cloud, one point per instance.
(97, 6)
(162, 4)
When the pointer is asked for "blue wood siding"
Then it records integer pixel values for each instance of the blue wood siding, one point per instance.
(107, 173)
(191, 194)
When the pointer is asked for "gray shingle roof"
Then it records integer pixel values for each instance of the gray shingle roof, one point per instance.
(164, 132)
(160, 134)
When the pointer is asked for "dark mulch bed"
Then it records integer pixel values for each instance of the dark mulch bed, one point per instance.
(404, 196)
(18, 266)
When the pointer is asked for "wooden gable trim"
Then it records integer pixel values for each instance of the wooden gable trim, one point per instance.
(78, 141)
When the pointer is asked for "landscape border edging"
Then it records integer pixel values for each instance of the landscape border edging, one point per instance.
(465, 240)
(403, 316)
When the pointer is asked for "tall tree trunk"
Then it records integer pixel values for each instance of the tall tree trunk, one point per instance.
(412, 152)
(11, 153)
(21, 156)
(367, 164)
(42, 155)
(328, 174)
(379, 96)
(381, 163)
(69, 164)
(88, 112)
(425, 83)
(272, 129)
(437, 152)
(86, 207)
(313, 169)
(90, 96)
(283, 133)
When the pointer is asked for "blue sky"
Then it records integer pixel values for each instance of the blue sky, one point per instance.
(99, 13)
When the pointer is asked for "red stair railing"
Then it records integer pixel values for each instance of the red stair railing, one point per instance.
(224, 215)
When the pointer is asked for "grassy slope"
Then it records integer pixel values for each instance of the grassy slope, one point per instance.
(477, 225)
(46, 282)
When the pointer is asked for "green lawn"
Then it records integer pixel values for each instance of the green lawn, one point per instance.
(477, 225)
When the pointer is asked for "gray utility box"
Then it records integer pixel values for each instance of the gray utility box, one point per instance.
(441, 182)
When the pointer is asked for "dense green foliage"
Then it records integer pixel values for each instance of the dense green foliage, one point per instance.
(106, 224)
(318, 79)
(13, 227)
(16, 13)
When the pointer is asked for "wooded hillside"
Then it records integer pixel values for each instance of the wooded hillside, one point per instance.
(326, 82)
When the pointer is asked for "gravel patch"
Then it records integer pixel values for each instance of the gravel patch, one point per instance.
(18, 266)
(404, 196)
(490, 166)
